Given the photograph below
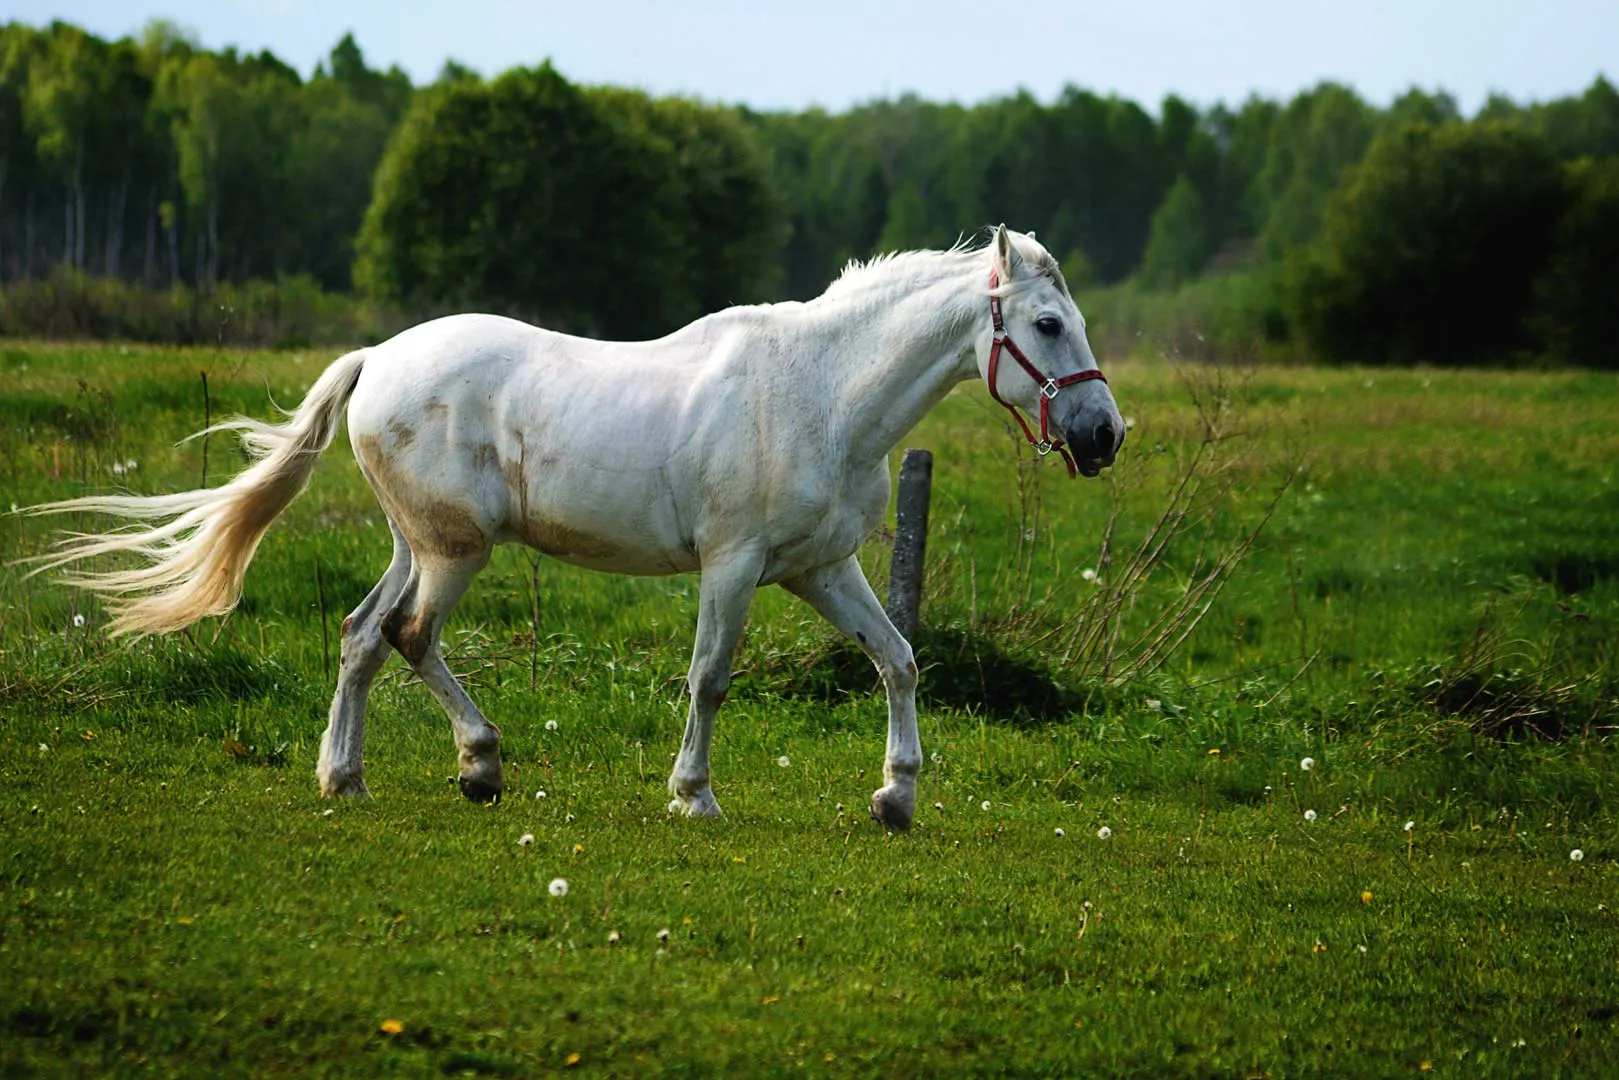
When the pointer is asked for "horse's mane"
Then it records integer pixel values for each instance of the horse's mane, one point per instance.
(860, 275)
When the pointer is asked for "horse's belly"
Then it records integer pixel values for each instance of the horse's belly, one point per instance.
(630, 529)
(601, 550)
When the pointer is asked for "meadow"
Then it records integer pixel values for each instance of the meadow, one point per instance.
(1361, 821)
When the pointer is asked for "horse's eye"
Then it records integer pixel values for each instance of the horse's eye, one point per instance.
(1048, 325)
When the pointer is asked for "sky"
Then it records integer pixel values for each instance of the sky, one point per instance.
(838, 53)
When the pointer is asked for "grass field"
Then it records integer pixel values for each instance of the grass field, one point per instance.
(1429, 615)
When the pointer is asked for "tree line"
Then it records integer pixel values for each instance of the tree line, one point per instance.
(1407, 233)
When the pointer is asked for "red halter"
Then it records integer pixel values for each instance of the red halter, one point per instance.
(1045, 444)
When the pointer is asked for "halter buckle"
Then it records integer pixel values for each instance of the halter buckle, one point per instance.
(1043, 447)
(1049, 391)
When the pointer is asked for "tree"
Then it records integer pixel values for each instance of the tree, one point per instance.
(1575, 316)
(1429, 253)
(1313, 141)
(58, 108)
(723, 232)
(585, 209)
(1179, 241)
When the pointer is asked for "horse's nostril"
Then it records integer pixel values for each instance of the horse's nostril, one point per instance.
(1104, 439)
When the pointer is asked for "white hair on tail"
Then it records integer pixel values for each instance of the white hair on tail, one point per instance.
(194, 561)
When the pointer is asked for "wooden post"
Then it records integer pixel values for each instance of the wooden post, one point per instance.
(910, 541)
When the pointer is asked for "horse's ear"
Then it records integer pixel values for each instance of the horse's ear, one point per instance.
(1008, 263)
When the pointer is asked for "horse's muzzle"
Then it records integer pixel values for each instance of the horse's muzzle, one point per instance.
(1095, 446)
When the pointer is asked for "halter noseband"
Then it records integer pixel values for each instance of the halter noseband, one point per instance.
(1045, 444)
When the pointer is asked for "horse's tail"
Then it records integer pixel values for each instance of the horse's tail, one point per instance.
(195, 559)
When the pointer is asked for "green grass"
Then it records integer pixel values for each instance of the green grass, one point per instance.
(175, 899)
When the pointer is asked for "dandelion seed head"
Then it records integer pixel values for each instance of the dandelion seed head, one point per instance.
(612, 937)
(663, 935)
(550, 725)
(539, 794)
(525, 840)
(784, 761)
(1104, 833)
(1576, 855)
(1088, 574)
(1307, 764)
(78, 621)
(1060, 832)
(938, 806)
(1309, 815)
(1410, 826)
(558, 887)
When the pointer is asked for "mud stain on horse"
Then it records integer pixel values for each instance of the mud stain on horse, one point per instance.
(402, 432)
(547, 537)
(432, 526)
(436, 409)
(554, 538)
(409, 633)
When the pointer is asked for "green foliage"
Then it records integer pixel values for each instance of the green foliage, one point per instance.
(1236, 314)
(605, 212)
(1319, 135)
(158, 161)
(1178, 244)
(290, 312)
(1430, 252)
(1575, 316)
(155, 160)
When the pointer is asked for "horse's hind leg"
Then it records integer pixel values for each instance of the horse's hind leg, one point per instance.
(363, 652)
(413, 626)
(844, 598)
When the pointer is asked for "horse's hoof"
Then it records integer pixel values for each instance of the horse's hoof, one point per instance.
(480, 791)
(700, 804)
(892, 809)
(344, 788)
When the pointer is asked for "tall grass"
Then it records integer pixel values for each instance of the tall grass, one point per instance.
(290, 312)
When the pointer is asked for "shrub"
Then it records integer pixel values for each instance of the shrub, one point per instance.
(1430, 251)
(1575, 316)
(292, 311)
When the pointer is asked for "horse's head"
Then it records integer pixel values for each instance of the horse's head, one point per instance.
(1042, 362)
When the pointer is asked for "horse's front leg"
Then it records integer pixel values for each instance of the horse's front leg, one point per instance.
(842, 596)
(724, 594)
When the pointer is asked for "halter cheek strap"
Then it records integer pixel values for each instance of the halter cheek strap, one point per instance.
(1045, 444)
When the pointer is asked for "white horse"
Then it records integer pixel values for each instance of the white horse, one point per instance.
(751, 446)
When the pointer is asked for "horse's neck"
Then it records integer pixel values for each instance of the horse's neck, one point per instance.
(896, 365)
